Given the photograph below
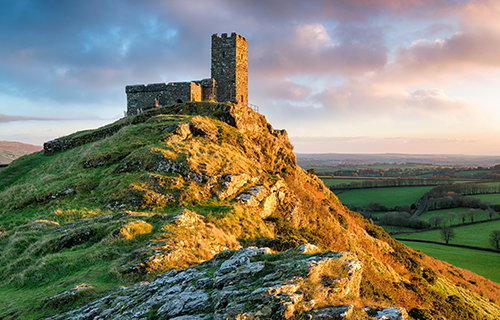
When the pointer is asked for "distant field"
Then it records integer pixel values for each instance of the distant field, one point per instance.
(322, 169)
(473, 235)
(493, 183)
(481, 262)
(494, 198)
(338, 180)
(469, 173)
(391, 197)
(333, 181)
(426, 215)
(381, 166)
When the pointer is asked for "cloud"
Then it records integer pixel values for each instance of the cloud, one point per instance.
(6, 118)
(371, 144)
(314, 65)
(368, 100)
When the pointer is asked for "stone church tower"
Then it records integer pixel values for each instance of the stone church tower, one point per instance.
(229, 81)
(230, 67)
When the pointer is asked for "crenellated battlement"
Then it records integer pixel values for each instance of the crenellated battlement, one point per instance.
(234, 40)
(228, 82)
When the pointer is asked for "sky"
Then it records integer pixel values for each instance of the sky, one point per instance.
(341, 76)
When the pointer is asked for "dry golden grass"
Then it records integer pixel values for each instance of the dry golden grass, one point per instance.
(134, 229)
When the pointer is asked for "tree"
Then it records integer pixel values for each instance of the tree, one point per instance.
(491, 213)
(462, 215)
(436, 220)
(447, 234)
(472, 214)
(451, 216)
(495, 239)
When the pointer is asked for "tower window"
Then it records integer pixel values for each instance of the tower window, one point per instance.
(223, 54)
(241, 98)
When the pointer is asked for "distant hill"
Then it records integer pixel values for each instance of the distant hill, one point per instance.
(11, 150)
(398, 158)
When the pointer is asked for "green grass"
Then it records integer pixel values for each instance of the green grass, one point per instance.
(473, 172)
(493, 198)
(428, 214)
(333, 181)
(493, 183)
(472, 235)
(391, 197)
(321, 169)
(481, 262)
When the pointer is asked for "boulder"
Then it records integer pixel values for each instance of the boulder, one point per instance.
(188, 219)
(232, 184)
(340, 312)
(394, 313)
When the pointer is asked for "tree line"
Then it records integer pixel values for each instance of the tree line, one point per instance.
(393, 182)
(458, 195)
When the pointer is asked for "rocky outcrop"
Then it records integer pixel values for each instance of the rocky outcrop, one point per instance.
(248, 283)
(340, 312)
(231, 184)
(394, 313)
(184, 235)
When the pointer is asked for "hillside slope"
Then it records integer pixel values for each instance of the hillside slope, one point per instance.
(10, 150)
(172, 187)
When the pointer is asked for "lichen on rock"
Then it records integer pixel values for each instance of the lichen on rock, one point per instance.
(235, 284)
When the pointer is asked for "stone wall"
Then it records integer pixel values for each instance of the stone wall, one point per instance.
(208, 89)
(143, 97)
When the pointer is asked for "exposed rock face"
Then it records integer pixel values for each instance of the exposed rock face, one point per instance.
(188, 219)
(332, 312)
(305, 249)
(395, 313)
(238, 284)
(195, 236)
(232, 183)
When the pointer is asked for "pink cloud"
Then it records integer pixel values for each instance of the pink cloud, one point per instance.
(310, 49)
(370, 144)
(6, 118)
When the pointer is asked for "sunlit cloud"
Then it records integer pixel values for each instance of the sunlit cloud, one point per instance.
(316, 68)
(6, 118)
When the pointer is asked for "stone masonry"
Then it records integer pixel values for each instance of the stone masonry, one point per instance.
(230, 67)
(229, 81)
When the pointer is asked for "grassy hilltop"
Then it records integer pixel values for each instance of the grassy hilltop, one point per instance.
(98, 211)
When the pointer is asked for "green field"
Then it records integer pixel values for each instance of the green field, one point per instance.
(333, 181)
(322, 169)
(470, 173)
(493, 198)
(472, 235)
(391, 196)
(427, 214)
(497, 183)
(481, 262)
